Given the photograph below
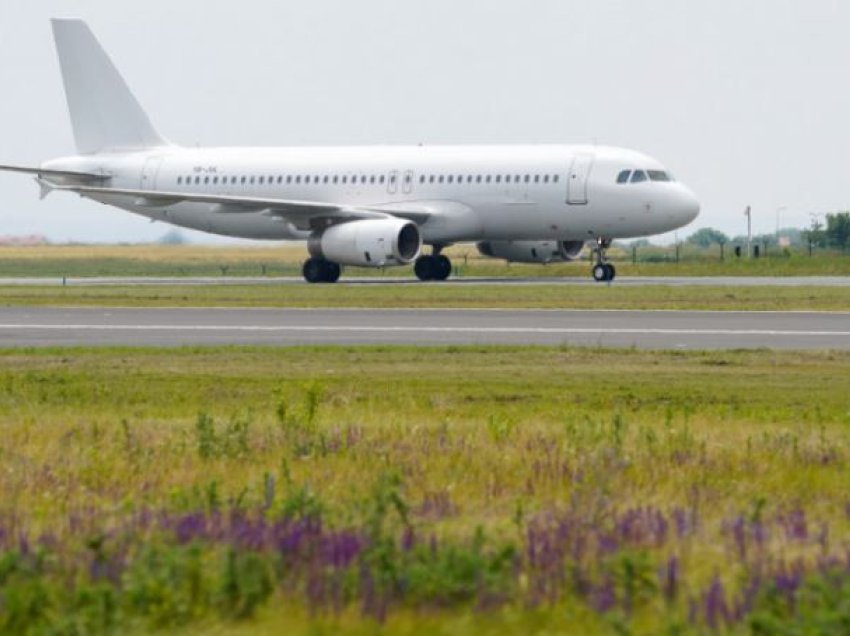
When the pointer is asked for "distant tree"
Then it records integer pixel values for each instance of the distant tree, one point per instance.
(707, 236)
(815, 235)
(173, 237)
(642, 242)
(838, 229)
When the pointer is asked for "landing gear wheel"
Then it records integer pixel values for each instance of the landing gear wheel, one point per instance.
(317, 270)
(313, 271)
(600, 273)
(332, 272)
(425, 268)
(603, 272)
(443, 268)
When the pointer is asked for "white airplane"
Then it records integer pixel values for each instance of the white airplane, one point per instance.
(357, 206)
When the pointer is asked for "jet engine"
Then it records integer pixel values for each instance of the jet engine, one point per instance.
(368, 243)
(532, 251)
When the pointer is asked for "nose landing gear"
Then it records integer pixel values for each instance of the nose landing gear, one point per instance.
(603, 271)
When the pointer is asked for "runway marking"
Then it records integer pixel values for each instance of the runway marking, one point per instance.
(401, 329)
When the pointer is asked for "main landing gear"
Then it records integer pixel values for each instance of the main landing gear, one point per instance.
(317, 270)
(436, 267)
(603, 272)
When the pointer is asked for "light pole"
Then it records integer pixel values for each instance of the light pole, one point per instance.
(749, 214)
(779, 211)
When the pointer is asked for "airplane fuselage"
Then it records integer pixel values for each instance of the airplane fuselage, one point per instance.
(511, 193)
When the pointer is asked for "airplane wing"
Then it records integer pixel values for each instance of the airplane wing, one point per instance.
(304, 215)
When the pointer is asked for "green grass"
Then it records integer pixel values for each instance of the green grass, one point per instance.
(439, 296)
(476, 447)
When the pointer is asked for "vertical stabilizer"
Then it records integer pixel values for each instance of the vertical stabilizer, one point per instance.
(104, 113)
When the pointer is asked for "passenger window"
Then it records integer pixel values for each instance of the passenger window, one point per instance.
(279, 180)
(206, 180)
(498, 178)
(623, 177)
(451, 178)
(442, 178)
(262, 180)
(179, 180)
(639, 176)
(478, 179)
(537, 178)
(546, 179)
(372, 179)
(345, 180)
(422, 179)
(557, 178)
(384, 179)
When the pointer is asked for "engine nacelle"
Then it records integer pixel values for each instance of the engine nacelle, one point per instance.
(368, 243)
(532, 251)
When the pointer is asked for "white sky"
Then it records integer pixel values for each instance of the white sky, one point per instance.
(745, 101)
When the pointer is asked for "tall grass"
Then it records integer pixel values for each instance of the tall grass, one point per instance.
(346, 488)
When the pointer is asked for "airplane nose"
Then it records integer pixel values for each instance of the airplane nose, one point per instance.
(688, 206)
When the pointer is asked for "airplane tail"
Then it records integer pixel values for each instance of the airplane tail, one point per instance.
(105, 114)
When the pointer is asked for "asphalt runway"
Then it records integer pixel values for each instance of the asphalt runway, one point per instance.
(43, 327)
(623, 281)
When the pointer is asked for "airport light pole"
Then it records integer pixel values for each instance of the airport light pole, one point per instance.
(749, 214)
(779, 211)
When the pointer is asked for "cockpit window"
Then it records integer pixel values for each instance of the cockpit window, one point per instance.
(659, 175)
(623, 177)
(639, 176)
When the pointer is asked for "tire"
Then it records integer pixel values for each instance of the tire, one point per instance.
(443, 268)
(612, 272)
(425, 268)
(600, 273)
(314, 271)
(332, 272)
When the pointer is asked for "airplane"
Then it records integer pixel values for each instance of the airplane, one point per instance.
(372, 206)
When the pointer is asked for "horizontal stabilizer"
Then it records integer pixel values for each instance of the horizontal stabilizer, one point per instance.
(61, 174)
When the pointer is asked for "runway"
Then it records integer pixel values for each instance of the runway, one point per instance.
(44, 327)
(622, 281)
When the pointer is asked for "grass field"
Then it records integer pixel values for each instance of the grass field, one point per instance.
(134, 260)
(413, 296)
(423, 491)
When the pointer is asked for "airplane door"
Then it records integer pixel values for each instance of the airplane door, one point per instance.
(392, 182)
(577, 181)
(150, 173)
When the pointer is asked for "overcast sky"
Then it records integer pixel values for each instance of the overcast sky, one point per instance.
(745, 101)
